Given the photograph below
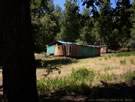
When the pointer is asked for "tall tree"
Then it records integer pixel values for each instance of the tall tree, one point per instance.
(122, 21)
(132, 20)
(86, 25)
(19, 72)
(106, 24)
(45, 23)
(69, 22)
(111, 26)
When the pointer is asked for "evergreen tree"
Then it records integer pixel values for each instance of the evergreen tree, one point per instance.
(45, 22)
(132, 19)
(106, 25)
(122, 21)
(69, 22)
(103, 26)
(86, 24)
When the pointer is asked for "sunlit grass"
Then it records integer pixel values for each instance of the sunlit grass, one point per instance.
(123, 62)
(125, 54)
(132, 61)
(77, 77)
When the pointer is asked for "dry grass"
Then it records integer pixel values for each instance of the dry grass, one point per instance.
(97, 64)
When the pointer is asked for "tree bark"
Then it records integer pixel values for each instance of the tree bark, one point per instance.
(19, 71)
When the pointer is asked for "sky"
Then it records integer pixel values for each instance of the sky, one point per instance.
(61, 4)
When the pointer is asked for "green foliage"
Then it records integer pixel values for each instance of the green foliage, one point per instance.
(109, 56)
(45, 23)
(128, 76)
(100, 59)
(123, 61)
(83, 74)
(132, 20)
(79, 81)
(69, 83)
(107, 77)
(122, 22)
(132, 53)
(101, 24)
(50, 67)
(43, 62)
(69, 22)
(107, 69)
(132, 61)
(86, 25)
(105, 57)
(46, 31)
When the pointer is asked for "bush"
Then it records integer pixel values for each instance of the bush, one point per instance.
(125, 54)
(122, 61)
(128, 76)
(105, 57)
(107, 77)
(78, 78)
(107, 69)
(132, 61)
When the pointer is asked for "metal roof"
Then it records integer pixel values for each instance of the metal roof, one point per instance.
(63, 42)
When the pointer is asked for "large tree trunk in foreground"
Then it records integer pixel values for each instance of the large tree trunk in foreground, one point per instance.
(19, 72)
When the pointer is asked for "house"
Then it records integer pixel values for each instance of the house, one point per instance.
(104, 48)
(70, 49)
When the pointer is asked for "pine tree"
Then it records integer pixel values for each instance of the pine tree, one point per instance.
(86, 25)
(122, 21)
(69, 22)
(132, 19)
(45, 22)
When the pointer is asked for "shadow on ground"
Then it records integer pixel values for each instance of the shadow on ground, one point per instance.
(121, 92)
(54, 62)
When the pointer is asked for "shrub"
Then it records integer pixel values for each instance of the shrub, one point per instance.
(109, 56)
(78, 78)
(107, 77)
(105, 57)
(100, 59)
(128, 76)
(125, 54)
(82, 72)
(107, 69)
(132, 61)
(43, 62)
(122, 61)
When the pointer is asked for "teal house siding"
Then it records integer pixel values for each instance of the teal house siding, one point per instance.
(50, 50)
(80, 51)
(85, 51)
(90, 52)
(93, 51)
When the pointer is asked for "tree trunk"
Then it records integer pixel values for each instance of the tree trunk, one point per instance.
(19, 72)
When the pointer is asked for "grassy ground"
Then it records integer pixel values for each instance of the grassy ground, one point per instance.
(92, 78)
(116, 63)
(110, 76)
